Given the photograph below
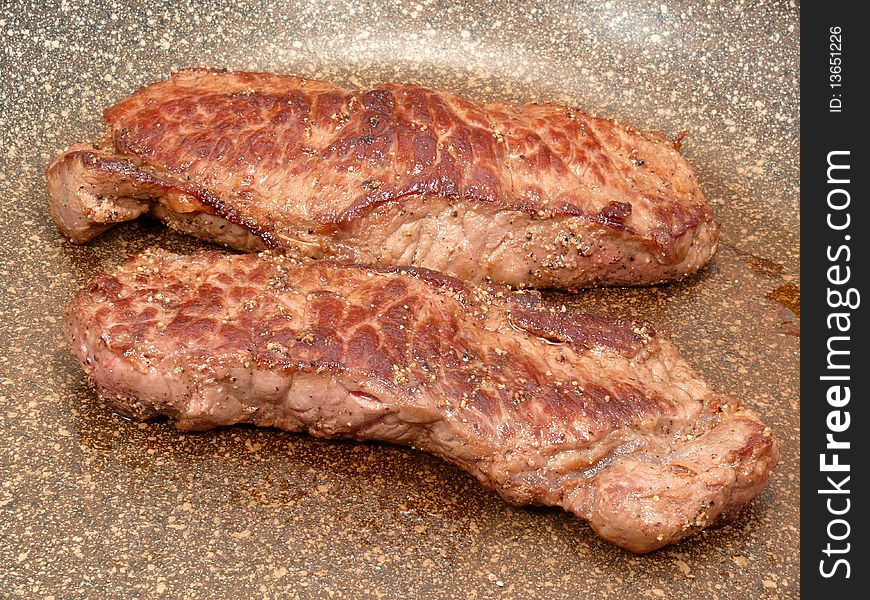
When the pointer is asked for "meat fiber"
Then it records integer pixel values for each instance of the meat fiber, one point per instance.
(539, 195)
(541, 403)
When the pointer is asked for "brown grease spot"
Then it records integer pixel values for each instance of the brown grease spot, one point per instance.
(789, 295)
(760, 265)
(764, 266)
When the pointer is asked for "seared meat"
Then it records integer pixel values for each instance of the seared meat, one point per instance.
(542, 404)
(534, 196)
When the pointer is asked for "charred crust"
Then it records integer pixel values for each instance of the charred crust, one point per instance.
(582, 330)
(614, 215)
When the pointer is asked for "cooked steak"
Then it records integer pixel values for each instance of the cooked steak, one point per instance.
(541, 403)
(534, 196)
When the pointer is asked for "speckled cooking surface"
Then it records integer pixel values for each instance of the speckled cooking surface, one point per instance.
(92, 505)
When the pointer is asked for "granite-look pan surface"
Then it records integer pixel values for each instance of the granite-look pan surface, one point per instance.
(92, 505)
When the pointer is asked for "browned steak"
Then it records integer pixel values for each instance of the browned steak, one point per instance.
(542, 404)
(539, 195)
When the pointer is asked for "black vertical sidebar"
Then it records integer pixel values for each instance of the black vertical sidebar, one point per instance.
(835, 361)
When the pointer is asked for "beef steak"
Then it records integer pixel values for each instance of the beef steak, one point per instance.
(539, 195)
(541, 403)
